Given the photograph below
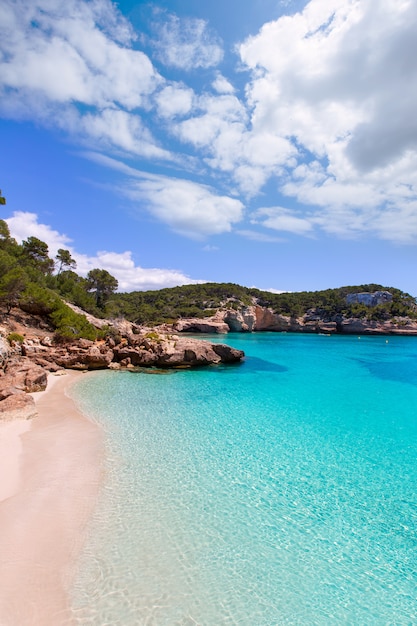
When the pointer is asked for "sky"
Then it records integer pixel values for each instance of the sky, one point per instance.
(269, 143)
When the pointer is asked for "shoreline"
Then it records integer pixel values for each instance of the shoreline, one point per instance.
(51, 472)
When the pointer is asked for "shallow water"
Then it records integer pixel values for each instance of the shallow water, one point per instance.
(279, 491)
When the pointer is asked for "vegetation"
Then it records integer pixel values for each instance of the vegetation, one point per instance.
(15, 338)
(167, 305)
(27, 280)
(32, 280)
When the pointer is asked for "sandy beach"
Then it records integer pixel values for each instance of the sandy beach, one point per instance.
(50, 473)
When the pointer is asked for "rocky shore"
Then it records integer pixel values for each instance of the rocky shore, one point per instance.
(256, 318)
(25, 363)
(26, 360)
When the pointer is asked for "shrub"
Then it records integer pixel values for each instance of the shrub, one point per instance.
(15, 338)
(70, 325)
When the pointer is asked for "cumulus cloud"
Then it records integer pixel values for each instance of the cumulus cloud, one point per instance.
(120, 264)
(327, 115)
(174, 100)
(338, 81)
(113, 127)
(189, 208)
(280, 218)
(185, 43)
(220, 126)
(61, 59)
(222, 85)
(24, 224)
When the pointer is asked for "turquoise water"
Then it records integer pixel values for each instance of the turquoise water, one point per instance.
(279, 491)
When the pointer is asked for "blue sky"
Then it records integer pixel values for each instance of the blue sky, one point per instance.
(263, 142)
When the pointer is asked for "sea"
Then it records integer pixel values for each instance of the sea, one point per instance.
(282, 490)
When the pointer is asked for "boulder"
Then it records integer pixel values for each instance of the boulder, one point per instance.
(17, 406)
(84, 356)
(25, 375)
(4, 351)
(175, 351)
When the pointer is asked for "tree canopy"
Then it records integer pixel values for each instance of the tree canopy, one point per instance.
(65, 260)
(102, 284)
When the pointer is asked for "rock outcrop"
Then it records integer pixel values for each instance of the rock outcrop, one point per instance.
(257, 319)
(19, 377)
(24, 366)
(210, 325)
(173, 351)
(369, 298)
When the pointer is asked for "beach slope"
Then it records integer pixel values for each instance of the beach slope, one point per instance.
(50, 473)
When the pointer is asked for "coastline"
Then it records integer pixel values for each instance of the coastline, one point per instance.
(52, 469)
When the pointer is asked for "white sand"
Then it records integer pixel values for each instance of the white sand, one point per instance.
(10, 450)
(50, 473)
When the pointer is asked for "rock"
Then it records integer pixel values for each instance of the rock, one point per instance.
(205, 325)
(7, 391)
(370, 327)
(369, 298)
(175, 351)
(227, 354)
(4, 351)
(78, 357)
(243, 320)
(17, 406)
(25, 375)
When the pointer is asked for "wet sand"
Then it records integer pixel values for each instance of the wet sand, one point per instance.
(50, 474)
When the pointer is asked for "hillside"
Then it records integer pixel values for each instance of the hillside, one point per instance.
(33, 282)
(203, 301)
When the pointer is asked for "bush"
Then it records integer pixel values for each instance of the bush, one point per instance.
(70, 325)
(38, 300)
(15, 338)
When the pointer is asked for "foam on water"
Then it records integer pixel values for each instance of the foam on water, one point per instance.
(279, 491)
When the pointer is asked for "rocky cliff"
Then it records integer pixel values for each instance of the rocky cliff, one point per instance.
(257, 318)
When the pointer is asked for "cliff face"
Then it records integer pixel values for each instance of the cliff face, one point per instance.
(256, 318)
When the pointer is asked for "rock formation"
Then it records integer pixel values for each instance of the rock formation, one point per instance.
(24, 365)
(369, 298)
(256, 318)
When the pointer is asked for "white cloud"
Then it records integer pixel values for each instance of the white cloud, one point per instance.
(120, 265)
(59, 50)
(113, 127)
(174, 100)
(186, 43)
(189, 208)
(255, 235)
(57, 58)
(339, 82)
(280, 218)
(222, 85)
(328, 113)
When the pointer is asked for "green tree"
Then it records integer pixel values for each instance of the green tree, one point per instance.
(2, 199)
(12, 285)
(102, 284)
(36, 251)
(65, 259)
(4, 230)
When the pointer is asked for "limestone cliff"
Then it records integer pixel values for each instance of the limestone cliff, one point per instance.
(256, 318)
